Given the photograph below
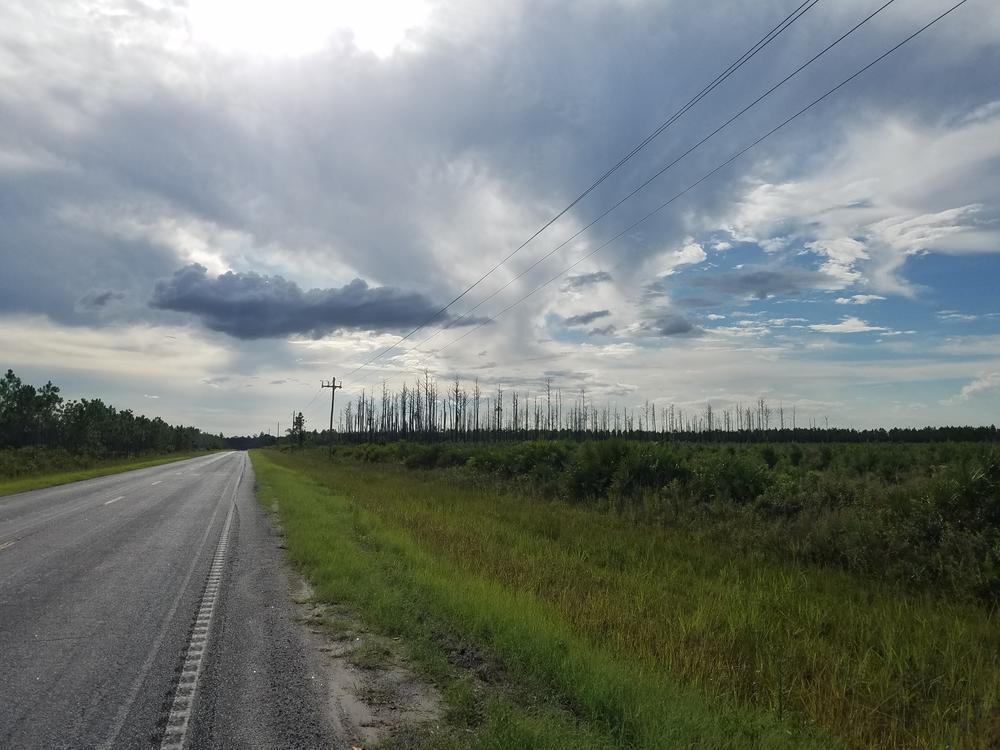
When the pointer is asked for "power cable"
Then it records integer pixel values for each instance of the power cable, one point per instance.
(709, 174)
(659, 173)
(801, 10)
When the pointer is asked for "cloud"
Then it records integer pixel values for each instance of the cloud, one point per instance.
(586, 279)
(953, 316)
(847, 325)
(760, 283)
(96, 300)
(841, 256)
(894, 187)
(129, 149)
(603, 331)
(859, 299)
(672, 324)
(251, 306)
(987, 384)
(585, 318)
(689, 255)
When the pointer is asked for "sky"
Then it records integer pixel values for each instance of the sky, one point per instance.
(209, 206)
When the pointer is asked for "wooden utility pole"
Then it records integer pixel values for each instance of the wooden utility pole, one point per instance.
(332, 385)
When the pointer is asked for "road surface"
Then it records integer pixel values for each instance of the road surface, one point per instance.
(129, 619)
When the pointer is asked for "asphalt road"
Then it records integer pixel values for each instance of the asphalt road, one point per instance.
(104, 587)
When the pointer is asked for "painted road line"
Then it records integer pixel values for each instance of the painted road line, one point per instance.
(181, 710)
(5, 545)
(126, 706)
(158, 481)
(120, 497)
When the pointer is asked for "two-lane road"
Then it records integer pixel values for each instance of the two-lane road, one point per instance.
(112, 589)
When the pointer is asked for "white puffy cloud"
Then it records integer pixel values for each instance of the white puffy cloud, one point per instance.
(691, 254)
(893, 188)
(859, 299)
(847, 325)
(985, 385)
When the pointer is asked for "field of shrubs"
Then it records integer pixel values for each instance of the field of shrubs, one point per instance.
(923, 515)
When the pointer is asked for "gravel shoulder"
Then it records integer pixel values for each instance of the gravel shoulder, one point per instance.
(285, 671)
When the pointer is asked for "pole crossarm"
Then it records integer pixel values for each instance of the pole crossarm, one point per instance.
(333, 386)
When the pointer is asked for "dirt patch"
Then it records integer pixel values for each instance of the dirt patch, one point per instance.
(372, 696)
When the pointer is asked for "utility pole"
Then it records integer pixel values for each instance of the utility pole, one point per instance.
(332, 385)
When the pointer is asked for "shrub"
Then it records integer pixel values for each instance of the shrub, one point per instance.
(738, 478)
(588, 475)
(643, 469)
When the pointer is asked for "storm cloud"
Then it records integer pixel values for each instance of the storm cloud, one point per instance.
(252, 306)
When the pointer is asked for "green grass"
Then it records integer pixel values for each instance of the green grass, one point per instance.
(634, 635)
(101, 469)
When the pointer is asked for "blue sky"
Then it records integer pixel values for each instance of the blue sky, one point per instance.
(210, 206)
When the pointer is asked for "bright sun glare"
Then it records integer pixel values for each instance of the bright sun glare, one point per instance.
(298, 27)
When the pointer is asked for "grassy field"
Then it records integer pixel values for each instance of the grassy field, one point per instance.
(99, 468)
(615, 633)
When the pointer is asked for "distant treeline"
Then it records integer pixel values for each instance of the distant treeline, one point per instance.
(246, 442)
(424, 412)
(38, 417)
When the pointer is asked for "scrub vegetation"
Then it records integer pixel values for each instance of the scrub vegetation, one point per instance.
(663, 595)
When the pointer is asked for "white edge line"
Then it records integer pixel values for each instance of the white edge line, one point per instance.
(181, 710)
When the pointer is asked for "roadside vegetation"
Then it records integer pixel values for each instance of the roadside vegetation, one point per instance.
(47, 440)
(924, 516)
(665, 595)
(37, 471)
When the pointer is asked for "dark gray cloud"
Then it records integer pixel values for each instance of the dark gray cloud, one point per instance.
(100, 299)
(695, 302)
(585, 318)
(252, 306)
(760, 283)
(586, 279)
(604, 331)
(672, 324)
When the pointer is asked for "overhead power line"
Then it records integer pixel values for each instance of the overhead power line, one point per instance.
(709, 174)
(771, 35)
(660, 172)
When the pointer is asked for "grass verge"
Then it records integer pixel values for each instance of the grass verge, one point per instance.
(103, 468)
(562, 688)
(630, 635)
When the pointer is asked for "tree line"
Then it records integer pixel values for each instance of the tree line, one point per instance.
(424, 411)
(33, 416)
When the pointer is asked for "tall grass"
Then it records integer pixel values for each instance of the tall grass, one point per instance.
(653, 637)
